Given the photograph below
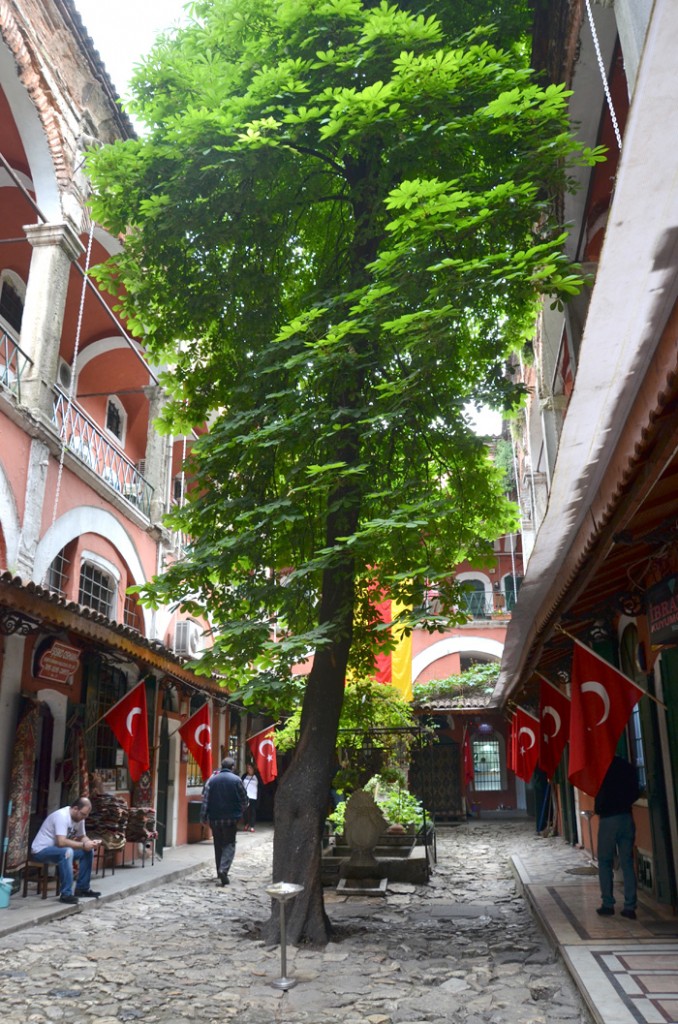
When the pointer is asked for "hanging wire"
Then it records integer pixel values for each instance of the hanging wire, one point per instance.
(603, 75)
(71, 389)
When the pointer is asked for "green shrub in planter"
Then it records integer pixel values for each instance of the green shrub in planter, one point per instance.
(396, 802)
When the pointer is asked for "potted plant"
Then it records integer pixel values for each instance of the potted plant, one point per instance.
(403, 811)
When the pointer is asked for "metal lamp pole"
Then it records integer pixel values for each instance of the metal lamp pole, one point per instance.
(284, 892)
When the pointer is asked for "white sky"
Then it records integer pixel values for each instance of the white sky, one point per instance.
(123, 31)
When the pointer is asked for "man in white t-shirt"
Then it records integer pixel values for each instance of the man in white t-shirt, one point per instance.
(61, 840)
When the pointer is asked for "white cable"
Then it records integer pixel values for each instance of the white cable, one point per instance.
(603, 75)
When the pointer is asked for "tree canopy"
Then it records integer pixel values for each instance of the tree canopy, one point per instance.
(336, 229)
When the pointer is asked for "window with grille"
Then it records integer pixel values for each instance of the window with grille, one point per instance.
(11, 306)
(105, 687)
(57, 575)
(488, 763)
(474, 599)
(630, 666)
(113, 419)
(511, 589)
(193, 773)
(96, 590)
(132, 612)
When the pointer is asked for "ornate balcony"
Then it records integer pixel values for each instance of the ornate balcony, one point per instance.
(87, 442)
(13, 363)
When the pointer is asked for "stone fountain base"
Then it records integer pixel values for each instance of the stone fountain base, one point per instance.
(402, 862)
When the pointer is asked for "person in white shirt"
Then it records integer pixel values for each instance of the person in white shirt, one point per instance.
(250, 781)
(62, 840)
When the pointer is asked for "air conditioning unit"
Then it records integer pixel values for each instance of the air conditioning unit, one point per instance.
(64, 376)
(188, 639)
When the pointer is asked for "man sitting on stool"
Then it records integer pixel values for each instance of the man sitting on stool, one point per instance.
(61, 839)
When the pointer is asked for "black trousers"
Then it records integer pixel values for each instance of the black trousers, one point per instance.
(251, 814)
(223, 834)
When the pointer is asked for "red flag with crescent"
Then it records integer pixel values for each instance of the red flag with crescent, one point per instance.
(469, 773)
(511, 755)
(554, 722)
(197, 735)
(128, 720)
(526, 750)
(602, 702)
(262, 748)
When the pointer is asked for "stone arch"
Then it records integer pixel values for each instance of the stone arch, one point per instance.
(478, 645)
(86, 519)
(99, 348)
(36, 123)
(10, 525)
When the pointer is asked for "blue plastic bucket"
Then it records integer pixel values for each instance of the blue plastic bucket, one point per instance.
(5, 891)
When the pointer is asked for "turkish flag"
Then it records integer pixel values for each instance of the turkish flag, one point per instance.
(129, 721)
(197, 735)
(511, 756)
(469, 773)
(554, 721)
(602, 701)
(262, 748)
(526, 750)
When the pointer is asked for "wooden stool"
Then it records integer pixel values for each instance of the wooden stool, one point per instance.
(38, 871)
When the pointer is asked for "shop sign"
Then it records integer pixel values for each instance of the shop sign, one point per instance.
(59, 662)
(662, 611)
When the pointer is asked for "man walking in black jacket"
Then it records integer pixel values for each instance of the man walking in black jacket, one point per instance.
(224, 802)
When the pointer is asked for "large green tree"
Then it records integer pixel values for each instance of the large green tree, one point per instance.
(335, 229)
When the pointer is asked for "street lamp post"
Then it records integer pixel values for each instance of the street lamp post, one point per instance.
(284, 892)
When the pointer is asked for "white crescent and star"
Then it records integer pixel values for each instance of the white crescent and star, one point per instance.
(267, 743)
(530, 733)
(548, 710)
(604, 696)
(207, 745)
(129, 724)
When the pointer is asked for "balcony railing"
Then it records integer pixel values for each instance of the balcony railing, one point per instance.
(483, 605)
(86, 440)
(13, 363)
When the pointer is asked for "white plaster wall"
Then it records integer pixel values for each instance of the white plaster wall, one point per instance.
(9, 518)
(58, 705)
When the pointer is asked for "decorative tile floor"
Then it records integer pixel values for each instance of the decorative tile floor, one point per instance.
(627, 971)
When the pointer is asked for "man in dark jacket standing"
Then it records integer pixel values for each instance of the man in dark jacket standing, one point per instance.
(616, 833)
(224, 802)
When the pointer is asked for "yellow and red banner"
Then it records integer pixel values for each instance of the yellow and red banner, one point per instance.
(395, 668)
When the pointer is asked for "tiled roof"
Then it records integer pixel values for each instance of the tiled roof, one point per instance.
(458, 702)
(33, 603)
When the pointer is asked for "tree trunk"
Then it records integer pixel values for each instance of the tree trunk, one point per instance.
(301, 807)
(302, 798)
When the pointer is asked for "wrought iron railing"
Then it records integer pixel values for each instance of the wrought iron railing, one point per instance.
(86, 440)
(478, 604)
(13, 363)
(482, 604)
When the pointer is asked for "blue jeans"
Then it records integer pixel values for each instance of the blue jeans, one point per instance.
(63, 857)
(617, 832)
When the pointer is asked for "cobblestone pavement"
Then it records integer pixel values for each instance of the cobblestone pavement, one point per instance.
(464, 949)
